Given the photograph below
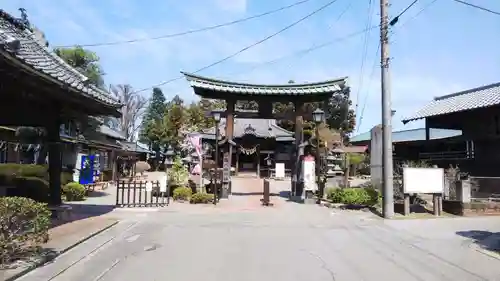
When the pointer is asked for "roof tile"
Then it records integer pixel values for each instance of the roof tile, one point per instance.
(329, 86)
(481, 97)
(39, 57)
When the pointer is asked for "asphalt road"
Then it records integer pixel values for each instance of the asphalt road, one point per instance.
(286, 242)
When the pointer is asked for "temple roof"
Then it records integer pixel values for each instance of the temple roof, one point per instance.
(19, 43)
(206, 87)
(262, 128)
(480, 97)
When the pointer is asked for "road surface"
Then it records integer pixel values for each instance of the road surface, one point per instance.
(289, 241)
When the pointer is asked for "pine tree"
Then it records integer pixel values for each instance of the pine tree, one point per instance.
(154, 113)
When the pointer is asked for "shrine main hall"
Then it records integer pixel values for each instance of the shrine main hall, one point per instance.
(248, 138)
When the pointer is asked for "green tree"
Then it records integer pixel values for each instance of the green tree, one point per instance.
(155, 112)
(85, 61)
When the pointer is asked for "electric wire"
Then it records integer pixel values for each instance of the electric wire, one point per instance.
(303, 52)
(364, 53)
(365, 100)
(478, 7)
(245, 48)
(187, 32)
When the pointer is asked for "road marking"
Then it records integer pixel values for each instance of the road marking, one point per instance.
(106, 270)
(133, 238)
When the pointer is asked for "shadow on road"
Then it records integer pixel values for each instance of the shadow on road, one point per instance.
(487, 240)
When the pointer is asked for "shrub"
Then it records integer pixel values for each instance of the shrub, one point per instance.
(178, 174)
(31, 187)
(201, 198)
(9, 171)
(334, 195)
(66, 177)
(354, 196)
(31, 170)
(141, 167)
(24, 226)
(182, 193)
(74, 191)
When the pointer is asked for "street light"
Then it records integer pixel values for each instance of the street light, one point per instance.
(318, 117)
(216, 115)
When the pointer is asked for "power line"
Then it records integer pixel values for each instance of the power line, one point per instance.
(418, 13)
(364, 53)
(378, 48)
(247, 47)
(307, 50)
(396, 18)
(365, 100)
(478, 7)
(187, 32)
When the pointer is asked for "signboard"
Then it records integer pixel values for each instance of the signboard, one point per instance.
(149, 186)
(423, 180)
(280, 170)
(163, 183)
(87, 169)
(226, 169)
(309, 173)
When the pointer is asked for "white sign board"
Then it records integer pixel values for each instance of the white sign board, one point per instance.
(280, 170)
(423, 180)
(149, 186)
(163, 183)
(308, 174)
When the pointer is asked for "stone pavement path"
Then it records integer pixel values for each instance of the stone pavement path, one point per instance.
(288, 242)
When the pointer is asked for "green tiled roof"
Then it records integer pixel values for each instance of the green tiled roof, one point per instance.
(42, 61)
(318, 88)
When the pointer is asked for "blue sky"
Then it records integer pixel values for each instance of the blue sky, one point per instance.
(448, 47)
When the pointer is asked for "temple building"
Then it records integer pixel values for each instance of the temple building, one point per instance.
(255, 140)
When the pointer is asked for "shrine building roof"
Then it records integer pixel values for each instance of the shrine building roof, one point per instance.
(480, 97)
(220, 89)
(261, 128)
(19, 45)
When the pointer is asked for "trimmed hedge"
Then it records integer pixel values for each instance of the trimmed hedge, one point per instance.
(24, 226)
(353, 196)
(74, 191)
(182, 193)
(201, 198)
(31, 187)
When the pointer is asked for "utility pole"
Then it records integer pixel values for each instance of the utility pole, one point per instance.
(387, 184)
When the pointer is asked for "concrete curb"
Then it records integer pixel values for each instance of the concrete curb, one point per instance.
(52, 257)
(490, 253)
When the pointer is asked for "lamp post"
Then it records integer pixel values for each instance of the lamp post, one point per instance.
(216, 116)
(318, 117)
(269, 163)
